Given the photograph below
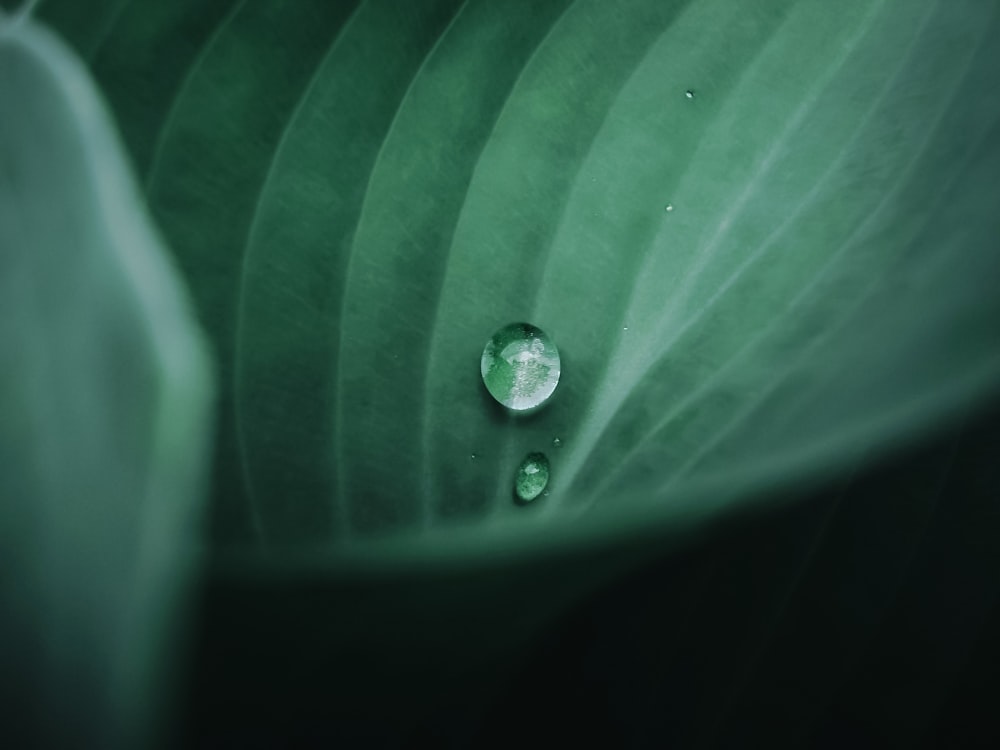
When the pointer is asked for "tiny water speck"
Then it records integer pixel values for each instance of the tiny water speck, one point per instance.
(532, 477)
(556, 443)
(669, 207)
(520, 366)
(689, 93)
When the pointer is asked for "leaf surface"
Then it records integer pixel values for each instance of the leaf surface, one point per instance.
(360, 194)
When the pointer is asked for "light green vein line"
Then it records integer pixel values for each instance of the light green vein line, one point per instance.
(168, 123)
(16, 18)
(852, 239)
(851, 433)
(113, 18)
(872, 430)
(564, 218)
(803, 294)
(429, 485)
(707, 252)
(341, 498)
(241, 301)
(508, 460)
(702, 255)
(612, 398)
(28, 9)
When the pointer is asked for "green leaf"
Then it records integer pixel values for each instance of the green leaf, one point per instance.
(359, 194)
(104, 417)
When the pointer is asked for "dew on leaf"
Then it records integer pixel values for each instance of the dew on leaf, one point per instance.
(532, 477)
(556, 443)
(669, 207)
(689, 93)
(520, 366)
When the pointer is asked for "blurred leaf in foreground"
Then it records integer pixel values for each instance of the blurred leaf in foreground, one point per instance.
(105, 395)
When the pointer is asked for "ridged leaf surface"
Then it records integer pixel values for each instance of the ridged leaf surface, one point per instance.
(360, 194)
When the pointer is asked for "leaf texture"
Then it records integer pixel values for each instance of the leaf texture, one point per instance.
(359, 194)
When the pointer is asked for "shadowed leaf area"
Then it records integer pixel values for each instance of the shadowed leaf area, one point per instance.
(866, 614)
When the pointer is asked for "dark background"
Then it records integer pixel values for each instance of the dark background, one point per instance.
(862, 614)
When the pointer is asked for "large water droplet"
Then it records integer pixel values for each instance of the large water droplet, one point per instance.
(532, 477)
(520, 366)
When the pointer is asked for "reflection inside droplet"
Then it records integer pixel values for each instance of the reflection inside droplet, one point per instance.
(520, 366)
(532, 477)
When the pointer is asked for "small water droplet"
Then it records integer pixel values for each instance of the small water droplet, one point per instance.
(556, 443)
(473, 456)
(669, 207)
(520, 366)
(532, 477)
(625, 328)
(689, 93)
